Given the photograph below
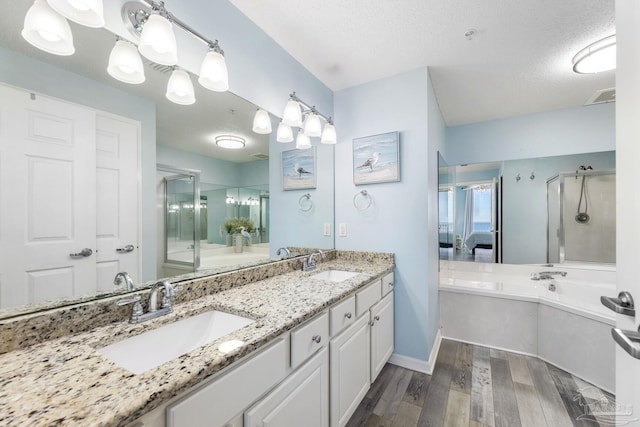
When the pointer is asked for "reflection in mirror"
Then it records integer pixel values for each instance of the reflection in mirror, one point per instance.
(172, 231)
(533, 211)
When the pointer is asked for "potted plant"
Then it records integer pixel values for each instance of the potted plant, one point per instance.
(230, 226)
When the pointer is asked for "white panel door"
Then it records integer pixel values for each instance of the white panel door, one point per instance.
(381, 334)
(47, 198)
(117, 191)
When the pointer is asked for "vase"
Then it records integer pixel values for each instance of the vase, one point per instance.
(239, 244)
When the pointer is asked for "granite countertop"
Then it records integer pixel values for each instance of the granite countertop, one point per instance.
(65, 381)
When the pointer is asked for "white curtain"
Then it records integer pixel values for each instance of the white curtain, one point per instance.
(468, 214)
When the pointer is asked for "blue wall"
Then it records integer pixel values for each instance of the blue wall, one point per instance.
(403, 218)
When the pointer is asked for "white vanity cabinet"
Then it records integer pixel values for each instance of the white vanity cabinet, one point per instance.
(381, 321)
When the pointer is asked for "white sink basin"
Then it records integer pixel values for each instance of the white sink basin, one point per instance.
(334, 275)
(153, 348)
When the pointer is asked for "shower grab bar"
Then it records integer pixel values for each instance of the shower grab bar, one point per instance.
(621, 305)
(628, 340)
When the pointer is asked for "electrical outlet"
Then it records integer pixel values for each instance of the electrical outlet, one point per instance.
(342, 229)
(327, 229)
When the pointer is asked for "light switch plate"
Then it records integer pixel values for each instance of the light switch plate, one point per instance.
(342, 229)
(327, 229)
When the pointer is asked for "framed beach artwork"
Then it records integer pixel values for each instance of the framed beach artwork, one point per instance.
(299, 169)
(376, 158)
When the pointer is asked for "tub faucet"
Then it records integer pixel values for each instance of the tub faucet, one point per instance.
(546, 275)
(309, 264)
(123, 276)
(285, 251)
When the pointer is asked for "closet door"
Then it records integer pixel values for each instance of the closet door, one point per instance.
(47, 198)
(117, 201)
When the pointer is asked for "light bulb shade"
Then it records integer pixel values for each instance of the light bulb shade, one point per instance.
(230, 141)
(292, 115)
(302, 141)
(158, 41)
(329, 134)
(312, 126)
(213, 72)
(47, 30)
(262, 122)
(89, 13)
(180, 88)
(597, 57)
(285, 133)
(125, 63)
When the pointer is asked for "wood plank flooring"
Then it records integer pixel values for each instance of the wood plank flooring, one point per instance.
(478, 387)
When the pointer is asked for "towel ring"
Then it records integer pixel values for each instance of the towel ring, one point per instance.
(305, 204)
(362, 200)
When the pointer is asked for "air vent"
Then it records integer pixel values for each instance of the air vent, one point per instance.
(164, 69)
(602, 96)
(260, 156)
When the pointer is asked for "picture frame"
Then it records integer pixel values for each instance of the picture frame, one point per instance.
(376, 159)
(299, 169)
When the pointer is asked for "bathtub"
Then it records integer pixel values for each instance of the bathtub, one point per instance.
(500, 306)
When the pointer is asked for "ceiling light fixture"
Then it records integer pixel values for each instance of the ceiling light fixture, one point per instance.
(262, 122)
(89, 13)
(47, 30)
(180, 88)
(293, 115)
(597, 57)
(125, 63)
(230, 141)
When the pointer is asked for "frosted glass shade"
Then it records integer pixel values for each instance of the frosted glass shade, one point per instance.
(84, 12)
(302, 141)
(262, 122)
(285, 133)
(597, 57)
(292, 115)
(158, 41)
(47, 30)
(329, 134)
(180, 88)
(312, 126)
(213, 72)
(125, 63)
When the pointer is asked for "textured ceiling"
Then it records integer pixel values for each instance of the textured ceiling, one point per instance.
(518, 62)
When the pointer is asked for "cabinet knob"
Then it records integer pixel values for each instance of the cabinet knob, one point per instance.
(390, 284)
(371, 323)
(377, 317)
(317, 339)
(347, 315)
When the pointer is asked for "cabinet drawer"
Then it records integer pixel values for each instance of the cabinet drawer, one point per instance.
(226, 396)
(367, 297)
(309, 338)
(387, 284)
(342, 315)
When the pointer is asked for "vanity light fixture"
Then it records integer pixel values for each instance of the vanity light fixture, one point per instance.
(285, 133)
(230, 141)
(157, 39)
(597, 57)
(125, 63)
(47, 30)
(180, 88)
(262, 122)
(213, 70)
(294, 112)
(89, 13)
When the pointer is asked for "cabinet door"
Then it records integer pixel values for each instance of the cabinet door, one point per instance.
(350, 359)
(381, 334)
(300, 400)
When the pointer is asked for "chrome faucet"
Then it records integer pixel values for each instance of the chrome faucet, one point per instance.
(123, 276)
(287, 253)
(546, 275)
(309, 263)
(138, 315)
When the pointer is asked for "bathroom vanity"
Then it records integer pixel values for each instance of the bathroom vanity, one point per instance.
(314, 347)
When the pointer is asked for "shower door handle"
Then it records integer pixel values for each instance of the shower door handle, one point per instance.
(621, 305)
(628, 340)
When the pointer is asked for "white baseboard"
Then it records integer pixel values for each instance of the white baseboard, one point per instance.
(425, 367)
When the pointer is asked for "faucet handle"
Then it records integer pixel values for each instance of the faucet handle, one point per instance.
(137, 307)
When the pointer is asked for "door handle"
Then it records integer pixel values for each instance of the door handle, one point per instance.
(82, 254)
(126, 249)
(628, 340)
(621, 305)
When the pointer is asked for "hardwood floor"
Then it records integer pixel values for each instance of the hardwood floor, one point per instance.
(477, 387)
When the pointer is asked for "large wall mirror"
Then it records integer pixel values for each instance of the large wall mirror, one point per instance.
(194, 208)
(559, 209)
